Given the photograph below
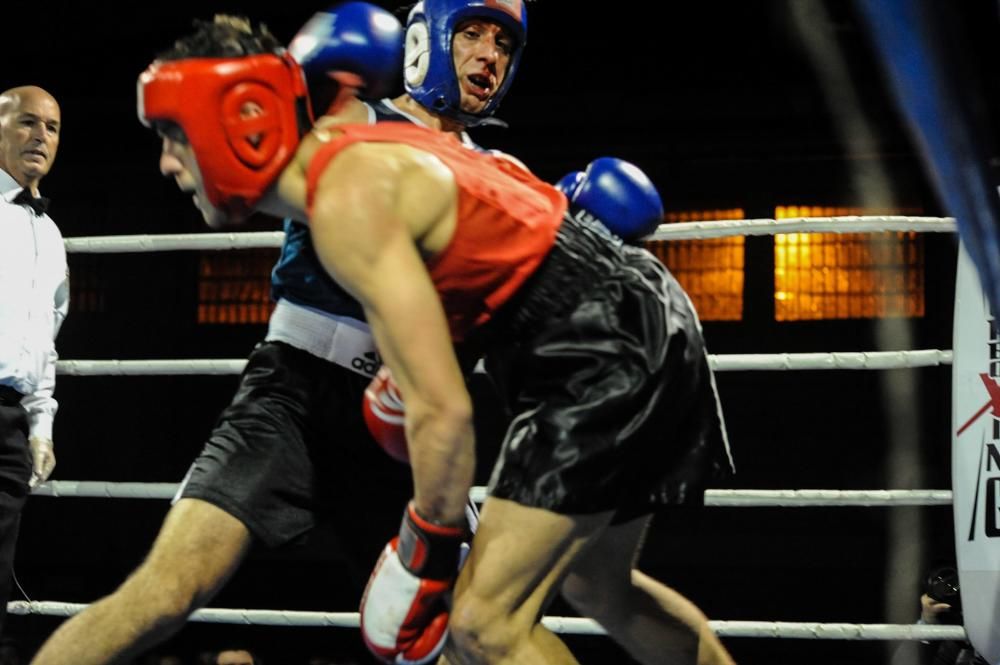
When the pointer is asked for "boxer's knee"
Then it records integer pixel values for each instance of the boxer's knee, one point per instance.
(482, 631)
(198, 548)
(166, 591)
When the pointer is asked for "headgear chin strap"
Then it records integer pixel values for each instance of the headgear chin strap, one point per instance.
(240, 154)
(429, 71)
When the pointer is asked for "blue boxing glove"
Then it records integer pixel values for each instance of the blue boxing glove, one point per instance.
(569, 183)
(355, 48)
(618, 194)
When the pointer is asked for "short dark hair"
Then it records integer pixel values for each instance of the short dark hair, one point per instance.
(225, 36)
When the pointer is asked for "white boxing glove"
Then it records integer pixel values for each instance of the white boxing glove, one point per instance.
(404, 611)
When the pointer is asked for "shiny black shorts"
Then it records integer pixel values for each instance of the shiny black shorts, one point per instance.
(292, 451)
(601, 360)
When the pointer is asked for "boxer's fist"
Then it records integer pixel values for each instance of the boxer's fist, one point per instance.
(385, 416)
(404, 611)
(355, 48)
(618, 194)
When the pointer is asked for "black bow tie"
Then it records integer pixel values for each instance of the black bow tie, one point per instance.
(37, 203)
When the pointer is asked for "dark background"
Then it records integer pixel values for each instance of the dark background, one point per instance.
(717, 101)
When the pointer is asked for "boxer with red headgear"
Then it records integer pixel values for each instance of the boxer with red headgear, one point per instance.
(440, 243)
(595, 347)
(260, 129)
(295, 414)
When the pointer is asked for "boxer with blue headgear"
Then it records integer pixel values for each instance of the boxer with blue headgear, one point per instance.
(434, 33)
(357, 39)
(460, 58)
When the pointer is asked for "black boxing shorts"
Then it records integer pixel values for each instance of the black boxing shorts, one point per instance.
(292, 451)
(601, 361)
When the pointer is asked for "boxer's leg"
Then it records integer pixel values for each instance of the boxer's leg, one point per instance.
(196, 551)
(518, 559)
(653, 622)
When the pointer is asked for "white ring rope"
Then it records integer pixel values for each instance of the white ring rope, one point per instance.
(678, 231)
(174, 242)
(837, 631)
(564, 625)
(99, 489)
(733, 362)
(825, 498)
(765, 227)
(729, 498)
(221, 366)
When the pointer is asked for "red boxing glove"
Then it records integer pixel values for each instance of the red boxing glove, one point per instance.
(385, 416)
(404, 612)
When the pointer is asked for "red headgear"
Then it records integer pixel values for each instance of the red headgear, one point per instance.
(239, 156)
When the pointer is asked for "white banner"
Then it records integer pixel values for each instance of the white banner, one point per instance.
(975, 459)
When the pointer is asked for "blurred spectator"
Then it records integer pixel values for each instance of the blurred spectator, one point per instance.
(940, 603)
(236, 656)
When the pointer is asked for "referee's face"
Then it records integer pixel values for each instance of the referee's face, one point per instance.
(29, 134)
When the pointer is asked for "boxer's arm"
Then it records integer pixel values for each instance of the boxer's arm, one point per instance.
(365, 239)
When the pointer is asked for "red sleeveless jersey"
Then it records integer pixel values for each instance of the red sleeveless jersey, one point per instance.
(507, 219)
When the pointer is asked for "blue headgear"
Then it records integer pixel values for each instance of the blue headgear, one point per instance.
(429, 67)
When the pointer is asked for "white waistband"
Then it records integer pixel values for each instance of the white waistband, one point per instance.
(341, 340)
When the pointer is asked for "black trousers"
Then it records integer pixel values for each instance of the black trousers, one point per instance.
(15, 472)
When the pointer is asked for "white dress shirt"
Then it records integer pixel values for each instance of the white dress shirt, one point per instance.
(34, 300)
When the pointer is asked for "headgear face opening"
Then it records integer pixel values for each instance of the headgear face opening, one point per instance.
(429, 72)
(239, 154)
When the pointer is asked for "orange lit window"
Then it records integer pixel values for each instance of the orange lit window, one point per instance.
(847, 275)
(710, 270)
(234, 287)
